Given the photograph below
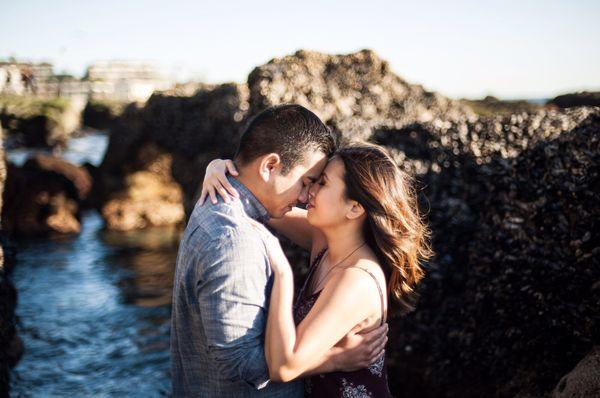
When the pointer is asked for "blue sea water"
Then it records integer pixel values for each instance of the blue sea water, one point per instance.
(93, 309)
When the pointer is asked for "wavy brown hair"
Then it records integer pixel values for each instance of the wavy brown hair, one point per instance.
(393, 228)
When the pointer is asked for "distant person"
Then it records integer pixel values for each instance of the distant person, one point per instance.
(224, 276)
(363, 230)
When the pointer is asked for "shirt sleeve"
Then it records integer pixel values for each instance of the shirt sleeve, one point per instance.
(232, 289)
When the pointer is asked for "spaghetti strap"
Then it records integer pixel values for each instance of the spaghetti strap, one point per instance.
(383, 313)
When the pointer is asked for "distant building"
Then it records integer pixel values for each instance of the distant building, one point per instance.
(22, 78)
(114, 80)
(124, 81)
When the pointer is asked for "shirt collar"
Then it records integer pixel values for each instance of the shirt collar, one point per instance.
(251, 204)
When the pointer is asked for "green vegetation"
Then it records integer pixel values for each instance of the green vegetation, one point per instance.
(26, 107)
(32, 121)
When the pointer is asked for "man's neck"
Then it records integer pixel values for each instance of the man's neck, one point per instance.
(253, 186)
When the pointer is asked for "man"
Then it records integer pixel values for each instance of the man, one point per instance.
(223, 278)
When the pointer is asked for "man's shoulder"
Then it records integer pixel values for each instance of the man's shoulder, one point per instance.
(222, 222)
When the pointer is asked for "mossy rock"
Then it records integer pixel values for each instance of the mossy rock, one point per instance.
(34, 122)
(101, 114)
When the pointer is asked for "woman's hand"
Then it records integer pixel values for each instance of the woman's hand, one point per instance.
(279, 262)
(215, 180)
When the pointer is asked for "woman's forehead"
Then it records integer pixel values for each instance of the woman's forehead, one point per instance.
(335, 167)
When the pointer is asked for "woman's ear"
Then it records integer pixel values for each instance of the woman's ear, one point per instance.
(356, 210)
(268, 165)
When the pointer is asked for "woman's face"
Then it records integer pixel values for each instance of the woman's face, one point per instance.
(327, 205)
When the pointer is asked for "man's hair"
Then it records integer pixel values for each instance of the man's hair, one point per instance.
(287, 130)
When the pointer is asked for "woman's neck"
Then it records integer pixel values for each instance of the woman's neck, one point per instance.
(341, 242)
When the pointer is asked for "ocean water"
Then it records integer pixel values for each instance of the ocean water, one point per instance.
(93, 309)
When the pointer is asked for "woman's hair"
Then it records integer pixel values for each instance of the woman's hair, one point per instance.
(393, 228)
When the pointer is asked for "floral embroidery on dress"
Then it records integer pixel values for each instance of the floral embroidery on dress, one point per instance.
(349, 390)
(376, 367)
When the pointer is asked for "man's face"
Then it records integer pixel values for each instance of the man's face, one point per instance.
(287, 190)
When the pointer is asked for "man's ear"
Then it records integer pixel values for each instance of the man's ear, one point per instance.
(268, 165)
(356, 210)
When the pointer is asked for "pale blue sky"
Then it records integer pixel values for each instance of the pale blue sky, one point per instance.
(511, 49)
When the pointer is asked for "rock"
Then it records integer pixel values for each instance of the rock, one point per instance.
(149, 197)
(44, 196)
(34, 122)
(101, 114)
(10, 347)
(583, 381)
(512, 202)
(491, 106)
(186, 133)
(354, 94)
(584, 98)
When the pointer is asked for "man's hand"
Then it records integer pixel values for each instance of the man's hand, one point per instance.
(357, 351)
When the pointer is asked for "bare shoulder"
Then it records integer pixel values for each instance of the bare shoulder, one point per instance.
(358, 282)
(372, 266)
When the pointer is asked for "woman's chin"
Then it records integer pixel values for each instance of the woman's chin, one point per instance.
(310, 215)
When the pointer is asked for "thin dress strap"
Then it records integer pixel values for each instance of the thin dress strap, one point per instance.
(383, 314)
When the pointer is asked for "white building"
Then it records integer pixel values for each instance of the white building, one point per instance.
(124, 81)
(114, 80)
(20, 78)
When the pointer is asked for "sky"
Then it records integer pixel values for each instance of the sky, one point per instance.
(463, 49)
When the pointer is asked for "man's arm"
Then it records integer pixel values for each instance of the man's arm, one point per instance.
(232, 290)
(355, 351)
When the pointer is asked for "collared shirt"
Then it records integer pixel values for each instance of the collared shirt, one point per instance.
(221, 292)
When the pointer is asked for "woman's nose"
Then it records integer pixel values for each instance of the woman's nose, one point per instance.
(312, 190)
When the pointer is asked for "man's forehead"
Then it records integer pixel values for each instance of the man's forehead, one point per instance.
(315, 163)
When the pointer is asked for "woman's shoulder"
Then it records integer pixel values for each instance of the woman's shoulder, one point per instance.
(360, 276)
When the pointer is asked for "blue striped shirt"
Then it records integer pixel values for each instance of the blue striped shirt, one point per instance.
(221, 292)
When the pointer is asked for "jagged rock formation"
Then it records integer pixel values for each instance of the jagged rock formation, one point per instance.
(34, 122)
(44, 196)
(149, 196)
(513, 209)
(101, 114)
(585, 98)
(492, 106)
(10, 345)
(166, 145)
(583, 381)
(354, 94)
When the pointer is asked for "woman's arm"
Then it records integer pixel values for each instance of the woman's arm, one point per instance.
(294, 226)
(347, 299)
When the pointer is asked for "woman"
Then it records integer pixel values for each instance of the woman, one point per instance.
(363, 229)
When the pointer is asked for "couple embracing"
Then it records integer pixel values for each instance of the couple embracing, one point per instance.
(237, 329)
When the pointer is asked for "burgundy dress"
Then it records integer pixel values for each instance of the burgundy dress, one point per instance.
(366, 382)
